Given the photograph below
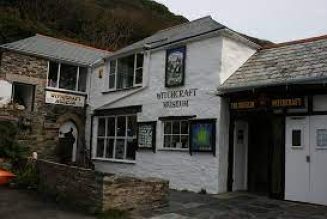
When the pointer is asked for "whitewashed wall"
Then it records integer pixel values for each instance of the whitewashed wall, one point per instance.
(203, 72)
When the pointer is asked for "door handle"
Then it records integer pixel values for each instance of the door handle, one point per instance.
(308, 158)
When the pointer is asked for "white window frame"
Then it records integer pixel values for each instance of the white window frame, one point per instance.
(105, 138)
(115, 74)
(180, 134)
(58, 78)
(134, 72)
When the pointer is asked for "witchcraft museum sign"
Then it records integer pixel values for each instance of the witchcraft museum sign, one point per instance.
(173, 99)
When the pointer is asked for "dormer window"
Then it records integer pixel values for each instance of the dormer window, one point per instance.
(67, 77)
(126, 72)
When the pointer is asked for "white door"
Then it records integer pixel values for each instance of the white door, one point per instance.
(65, 128)
(240, 156)
(318, 160)
(306, 159)
(297, 168)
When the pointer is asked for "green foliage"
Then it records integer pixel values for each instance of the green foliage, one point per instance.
(108, 24)
(113, 214)
(9, 147)
(27, 175)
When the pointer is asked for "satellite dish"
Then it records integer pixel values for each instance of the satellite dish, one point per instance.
(5, 92)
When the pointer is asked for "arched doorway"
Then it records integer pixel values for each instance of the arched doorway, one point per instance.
(65, 128)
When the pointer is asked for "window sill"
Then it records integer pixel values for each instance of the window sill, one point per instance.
(65, 91)
(124, 89)
(114, 160)
(174, 149)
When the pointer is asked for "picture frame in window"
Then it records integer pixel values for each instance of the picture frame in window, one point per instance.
(146, 136)
(203, 136)
(175, 66)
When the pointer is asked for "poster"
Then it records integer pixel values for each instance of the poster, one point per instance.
(202, 136)
(145, 136)
(175, 66)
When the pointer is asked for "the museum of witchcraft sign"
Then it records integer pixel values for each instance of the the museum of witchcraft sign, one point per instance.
(169, 96)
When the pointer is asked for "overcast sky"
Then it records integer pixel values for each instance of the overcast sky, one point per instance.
(274, 20)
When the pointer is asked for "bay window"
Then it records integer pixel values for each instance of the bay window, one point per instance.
(67, 77)
(176, 134)
(126, 72)
(117, 137)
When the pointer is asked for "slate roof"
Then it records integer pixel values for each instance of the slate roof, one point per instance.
(57, 49)
(175, 33)
(289, 63)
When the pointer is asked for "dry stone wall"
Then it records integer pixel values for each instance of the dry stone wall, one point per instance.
(99, 192)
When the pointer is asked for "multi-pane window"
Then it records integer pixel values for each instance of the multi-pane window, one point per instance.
(126, 72)
(322, 137)
(176, 134)
(117, 137)
(67, 77)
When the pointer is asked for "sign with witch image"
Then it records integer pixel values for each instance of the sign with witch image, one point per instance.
(175, 66)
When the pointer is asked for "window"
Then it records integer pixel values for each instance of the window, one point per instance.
(23, 95)
(126, 72)
(203, 136)
(67, 77)
(322, 137)
(176, 134)
(296, 138)
(117, 137)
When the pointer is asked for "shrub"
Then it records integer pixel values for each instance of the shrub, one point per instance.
(27, 175)
(9, 147)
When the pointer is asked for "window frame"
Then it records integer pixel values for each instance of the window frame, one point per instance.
(320, 147)
(57, 87)
(180, 134)
(33, 86)
(106, 137)
(116, 72)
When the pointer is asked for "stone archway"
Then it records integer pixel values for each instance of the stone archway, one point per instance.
(68, 120)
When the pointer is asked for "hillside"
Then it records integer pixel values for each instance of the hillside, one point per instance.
(106, 24)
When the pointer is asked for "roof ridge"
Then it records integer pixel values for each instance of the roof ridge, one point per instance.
(294, 42)
(183, 24)
(71, 42)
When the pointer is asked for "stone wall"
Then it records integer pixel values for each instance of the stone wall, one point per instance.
(95, 191)
(82, 187)
(39, 129)
(124, 193)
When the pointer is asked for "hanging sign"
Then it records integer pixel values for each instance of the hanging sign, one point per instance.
(64, 99)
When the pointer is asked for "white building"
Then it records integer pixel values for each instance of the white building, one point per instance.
(209, 109)
(165, 87)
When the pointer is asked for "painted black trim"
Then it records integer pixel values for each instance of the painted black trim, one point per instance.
(154, 136)
(184, 65)
(231, 154)
(168, 118)
(214, 131)
(118, 111)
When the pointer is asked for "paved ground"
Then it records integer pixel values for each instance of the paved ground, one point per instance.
(233, 206)
(19, 204)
